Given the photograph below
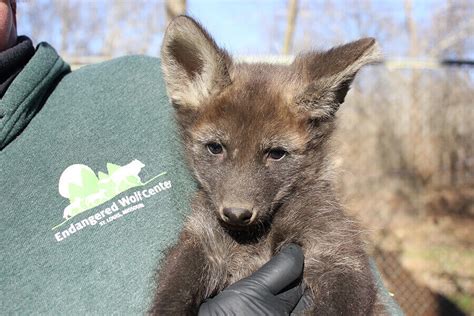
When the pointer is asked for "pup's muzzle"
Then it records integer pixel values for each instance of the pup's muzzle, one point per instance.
(237, 216)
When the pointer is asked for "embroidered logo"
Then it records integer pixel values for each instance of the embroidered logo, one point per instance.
(85, 190)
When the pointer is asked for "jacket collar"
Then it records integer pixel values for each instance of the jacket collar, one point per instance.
(29, 91)
(13, 60)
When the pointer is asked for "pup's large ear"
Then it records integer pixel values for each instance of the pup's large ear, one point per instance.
(327, 76)
(194, 66)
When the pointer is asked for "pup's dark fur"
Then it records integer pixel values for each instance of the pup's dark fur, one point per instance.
(256, 137)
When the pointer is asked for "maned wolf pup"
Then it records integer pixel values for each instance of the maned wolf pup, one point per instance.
(256, 139)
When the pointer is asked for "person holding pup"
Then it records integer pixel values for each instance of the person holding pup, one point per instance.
(94, 190)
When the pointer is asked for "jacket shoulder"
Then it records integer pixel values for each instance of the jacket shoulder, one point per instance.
(133, 75)
(131, 66)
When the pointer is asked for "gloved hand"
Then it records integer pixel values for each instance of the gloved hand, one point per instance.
(274, 289)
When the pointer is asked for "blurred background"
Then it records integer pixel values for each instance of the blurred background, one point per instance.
(405, 145)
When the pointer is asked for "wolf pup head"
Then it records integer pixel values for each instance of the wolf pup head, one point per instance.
(253, 132)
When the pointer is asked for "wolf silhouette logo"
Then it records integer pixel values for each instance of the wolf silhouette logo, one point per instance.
(85, 190)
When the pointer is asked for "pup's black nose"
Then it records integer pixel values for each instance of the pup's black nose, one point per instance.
(237, 216)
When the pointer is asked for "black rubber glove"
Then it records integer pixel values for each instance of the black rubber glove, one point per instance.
(275, 289)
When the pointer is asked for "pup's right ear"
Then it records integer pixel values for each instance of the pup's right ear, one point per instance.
(327, 76)
(194, 66)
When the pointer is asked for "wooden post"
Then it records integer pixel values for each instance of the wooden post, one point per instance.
(174, 8)
(290, 28)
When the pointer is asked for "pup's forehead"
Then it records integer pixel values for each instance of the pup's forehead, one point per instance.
(277, 80)
(253, 108)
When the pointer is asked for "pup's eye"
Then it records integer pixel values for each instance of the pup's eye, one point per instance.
(276, 153)
(214, 148)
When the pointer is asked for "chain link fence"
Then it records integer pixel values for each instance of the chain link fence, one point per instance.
(405, 152)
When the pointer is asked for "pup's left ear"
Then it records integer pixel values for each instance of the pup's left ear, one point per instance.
(327, 76)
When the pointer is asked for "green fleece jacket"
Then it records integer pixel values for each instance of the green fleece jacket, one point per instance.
(92, 186)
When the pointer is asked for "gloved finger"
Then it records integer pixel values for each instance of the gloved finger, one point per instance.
(282, 270)
(304, 303)
(292, 295)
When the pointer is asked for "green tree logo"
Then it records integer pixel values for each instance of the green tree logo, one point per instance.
(85, 190)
